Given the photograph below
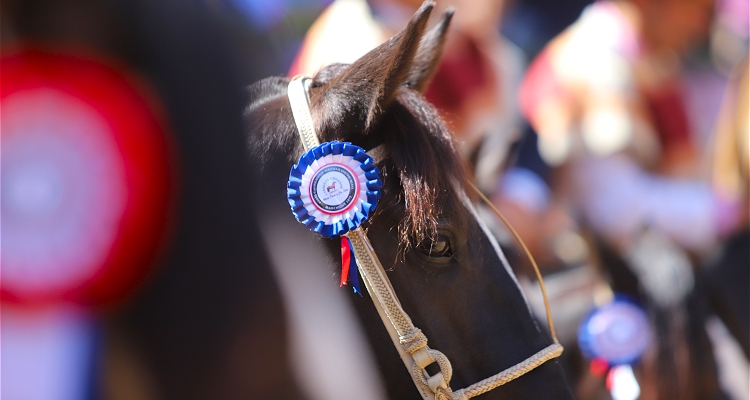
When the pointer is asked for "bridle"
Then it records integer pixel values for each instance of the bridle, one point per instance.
(409, 340)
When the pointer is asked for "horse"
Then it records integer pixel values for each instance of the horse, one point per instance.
(446, 268)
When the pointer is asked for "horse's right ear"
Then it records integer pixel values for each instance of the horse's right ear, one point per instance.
(367, 86)
(428, 54)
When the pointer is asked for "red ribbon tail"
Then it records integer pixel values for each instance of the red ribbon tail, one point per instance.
(345, 260)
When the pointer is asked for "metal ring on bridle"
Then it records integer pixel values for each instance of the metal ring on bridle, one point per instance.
(437, 380)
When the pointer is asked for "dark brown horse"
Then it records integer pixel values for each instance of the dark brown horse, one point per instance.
(449, 273)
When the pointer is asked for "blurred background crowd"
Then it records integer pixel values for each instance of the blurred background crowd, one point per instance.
(612, 134)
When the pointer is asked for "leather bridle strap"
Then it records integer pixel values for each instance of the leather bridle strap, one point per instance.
(394, 318)
(408, 339)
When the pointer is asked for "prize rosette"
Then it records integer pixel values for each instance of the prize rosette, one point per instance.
(617, 333)
(333, 188)
(86, 178)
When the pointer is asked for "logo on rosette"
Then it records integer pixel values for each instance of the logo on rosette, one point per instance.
(334, 188)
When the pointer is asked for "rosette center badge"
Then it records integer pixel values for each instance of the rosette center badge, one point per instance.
(333, 188)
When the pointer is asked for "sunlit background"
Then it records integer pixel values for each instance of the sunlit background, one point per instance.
(613, 135)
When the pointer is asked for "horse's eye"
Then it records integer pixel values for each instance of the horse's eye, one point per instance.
(440, 247)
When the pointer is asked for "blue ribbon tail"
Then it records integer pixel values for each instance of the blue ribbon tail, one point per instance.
(353, 272)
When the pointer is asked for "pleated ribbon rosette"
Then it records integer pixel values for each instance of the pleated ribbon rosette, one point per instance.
(333, 189)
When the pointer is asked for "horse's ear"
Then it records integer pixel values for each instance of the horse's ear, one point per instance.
(367, 86)
(428, 54)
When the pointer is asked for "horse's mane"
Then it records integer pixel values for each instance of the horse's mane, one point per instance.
(421, 150)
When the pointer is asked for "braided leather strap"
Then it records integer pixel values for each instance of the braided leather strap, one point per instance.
(552, 351)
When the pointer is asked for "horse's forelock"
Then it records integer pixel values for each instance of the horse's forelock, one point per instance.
(424, 157)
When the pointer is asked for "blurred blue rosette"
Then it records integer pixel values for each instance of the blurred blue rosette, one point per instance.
(617, 333)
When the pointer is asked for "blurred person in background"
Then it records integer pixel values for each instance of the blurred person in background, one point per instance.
(727, 274)
(607, 98)
(732, 179)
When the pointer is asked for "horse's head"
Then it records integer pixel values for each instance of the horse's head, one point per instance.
(447, 270)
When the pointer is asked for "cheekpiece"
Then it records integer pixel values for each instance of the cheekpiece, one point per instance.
(334, 188)
(618, 332)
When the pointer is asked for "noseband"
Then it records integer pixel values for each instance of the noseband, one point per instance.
(409, 340)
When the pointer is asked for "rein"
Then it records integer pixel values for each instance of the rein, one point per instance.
(409, 340)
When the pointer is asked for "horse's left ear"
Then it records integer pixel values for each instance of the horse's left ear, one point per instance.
(367, 86)
(428, 54)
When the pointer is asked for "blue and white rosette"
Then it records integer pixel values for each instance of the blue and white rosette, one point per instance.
(333, 188)
(617, 333)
